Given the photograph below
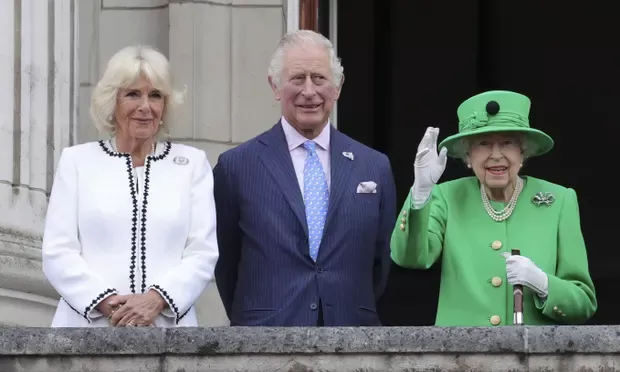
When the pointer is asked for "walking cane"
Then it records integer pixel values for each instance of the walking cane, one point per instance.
(518, 297)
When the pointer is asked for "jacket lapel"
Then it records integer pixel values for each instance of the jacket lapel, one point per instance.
(278, 163)
(341, 170)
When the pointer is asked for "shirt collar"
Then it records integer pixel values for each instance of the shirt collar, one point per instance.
(294, 139)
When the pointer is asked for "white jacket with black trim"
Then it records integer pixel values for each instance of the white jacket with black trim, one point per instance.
(115, 229)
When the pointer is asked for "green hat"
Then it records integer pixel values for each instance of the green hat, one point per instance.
(497, 111)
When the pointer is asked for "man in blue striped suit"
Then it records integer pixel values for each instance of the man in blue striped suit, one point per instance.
(304, 213)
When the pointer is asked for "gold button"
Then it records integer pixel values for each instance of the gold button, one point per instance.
(403, 220)
(495, 320)
(402, 227)
(404, 213)
(497, 281)
(555, 308)
(496, 245)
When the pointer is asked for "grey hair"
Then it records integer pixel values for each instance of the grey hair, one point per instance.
(462, 147)
(122, 70)
(299, 38)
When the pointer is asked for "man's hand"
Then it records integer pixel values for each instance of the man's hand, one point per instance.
(109, 304)
(137, 310)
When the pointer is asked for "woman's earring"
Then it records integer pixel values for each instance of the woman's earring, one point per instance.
(468, 165)
(161, 122)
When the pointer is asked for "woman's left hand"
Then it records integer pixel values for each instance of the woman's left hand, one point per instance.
(138, 310)
(521, 270)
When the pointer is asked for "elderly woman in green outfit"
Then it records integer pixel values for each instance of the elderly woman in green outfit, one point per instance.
(474, 222)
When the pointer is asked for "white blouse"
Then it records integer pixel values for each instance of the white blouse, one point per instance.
(115, 229)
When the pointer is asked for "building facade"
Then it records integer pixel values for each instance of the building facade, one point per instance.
(53, 52)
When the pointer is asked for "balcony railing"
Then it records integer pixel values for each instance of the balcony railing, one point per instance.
(381, 349)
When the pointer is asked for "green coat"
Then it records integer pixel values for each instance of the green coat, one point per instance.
(474, 290)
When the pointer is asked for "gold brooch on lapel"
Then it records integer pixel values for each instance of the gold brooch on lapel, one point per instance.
(180, 160)
(545, 198)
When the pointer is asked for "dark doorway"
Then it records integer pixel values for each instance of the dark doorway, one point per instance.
(409, 64)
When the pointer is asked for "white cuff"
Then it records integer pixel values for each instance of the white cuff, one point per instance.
(171, 311)
(420, 196)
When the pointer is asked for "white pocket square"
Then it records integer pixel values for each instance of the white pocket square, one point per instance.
(367, 187)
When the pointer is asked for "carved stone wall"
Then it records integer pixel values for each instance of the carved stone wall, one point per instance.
(379, 349)
(36, 121)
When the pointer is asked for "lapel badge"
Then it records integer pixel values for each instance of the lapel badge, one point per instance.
(180, 160)
(348, 155)
(545, 198)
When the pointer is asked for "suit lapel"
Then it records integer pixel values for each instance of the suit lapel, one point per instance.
(341, 170)
(278, 163)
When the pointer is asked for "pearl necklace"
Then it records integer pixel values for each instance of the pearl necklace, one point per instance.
(113, 145)
(505, 213)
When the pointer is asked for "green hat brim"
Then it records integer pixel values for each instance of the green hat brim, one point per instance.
(538, 142)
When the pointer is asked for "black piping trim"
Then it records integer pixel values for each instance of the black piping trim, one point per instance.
(185, 313)
(134, 219)
(147, 173)
(97, 299)
(74, 309)
(173, 306)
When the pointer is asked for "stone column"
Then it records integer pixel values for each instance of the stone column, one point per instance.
(220, 51)
(36, 122)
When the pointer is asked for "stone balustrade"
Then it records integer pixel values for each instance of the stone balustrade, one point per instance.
(380, 349)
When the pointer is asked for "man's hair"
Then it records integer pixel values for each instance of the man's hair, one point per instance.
(298, 38)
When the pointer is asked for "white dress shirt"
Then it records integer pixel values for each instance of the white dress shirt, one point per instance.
(299, 154)
(115, 229)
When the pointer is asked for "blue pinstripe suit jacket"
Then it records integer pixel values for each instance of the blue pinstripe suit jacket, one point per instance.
(264, 274)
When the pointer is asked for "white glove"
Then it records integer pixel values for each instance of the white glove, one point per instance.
(521, 270)
(428, 167)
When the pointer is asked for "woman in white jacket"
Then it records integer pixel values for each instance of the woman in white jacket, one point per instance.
(130, 234)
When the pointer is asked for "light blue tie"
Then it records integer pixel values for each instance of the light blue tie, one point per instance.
(316, 197)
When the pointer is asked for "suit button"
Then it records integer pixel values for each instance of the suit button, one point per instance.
(497, 281)
(495, 320)
(496, 245)
(319, 270)
(313, 306)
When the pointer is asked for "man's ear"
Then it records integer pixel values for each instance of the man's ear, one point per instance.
(339, 87)
(275, 89)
